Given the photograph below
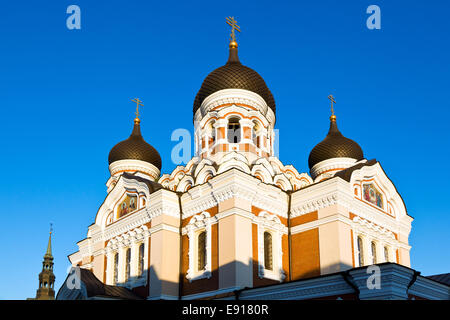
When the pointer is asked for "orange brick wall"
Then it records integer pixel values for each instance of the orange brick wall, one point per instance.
(305, 254)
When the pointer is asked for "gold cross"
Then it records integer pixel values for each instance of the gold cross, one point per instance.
(138, 103)
(51, 228)
(234, 26)
(332, 101)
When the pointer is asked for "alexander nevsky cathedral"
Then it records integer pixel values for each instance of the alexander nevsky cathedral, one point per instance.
(237, 223)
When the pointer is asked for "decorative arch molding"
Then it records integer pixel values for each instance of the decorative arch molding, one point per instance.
(189, 167)
(304, 177)
(201, 165)
(234, 160)
(177, 174)
(282, 181)
(164, 180)
(205, 174)
(122, 186)
(376, 174)
(185, 182)
(383, 238)
(131, 239)
(267, 222)
(197, 224)
(277, 165)
(128, 238)
(296, 180)
(263, 172)
(263, 162)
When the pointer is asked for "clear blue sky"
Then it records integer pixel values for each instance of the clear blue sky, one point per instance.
(65, 102)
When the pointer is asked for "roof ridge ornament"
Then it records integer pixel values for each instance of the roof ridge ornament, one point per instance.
(233, 24)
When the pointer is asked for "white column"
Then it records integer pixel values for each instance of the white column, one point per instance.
(109, 266)
(392, 256)
(221, 123)
(146, 258)
(246, 123)
(121, 269)
(134, 259)
(380, 252)
(367, 254)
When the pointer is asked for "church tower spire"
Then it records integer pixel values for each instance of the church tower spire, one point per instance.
(46, 277)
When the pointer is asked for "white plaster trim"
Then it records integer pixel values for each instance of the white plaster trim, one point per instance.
(209, 293)
(132, 165)
(164, 227)
(272, 224)
(197, 224)
(327, 193)
(300, 290)
(317, 223)
(330, 165)
(233, 96)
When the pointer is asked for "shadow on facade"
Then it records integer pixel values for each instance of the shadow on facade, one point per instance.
(222, 281)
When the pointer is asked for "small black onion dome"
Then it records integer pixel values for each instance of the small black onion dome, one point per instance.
(135, 148)
(234, 75)
(335, 145)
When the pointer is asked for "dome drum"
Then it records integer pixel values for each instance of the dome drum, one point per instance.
(132, 165)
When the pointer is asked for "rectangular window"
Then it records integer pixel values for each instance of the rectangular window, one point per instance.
(268, 264)
(201, 253)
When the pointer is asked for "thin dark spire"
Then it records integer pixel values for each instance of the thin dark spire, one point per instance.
(233, 57)
(333, 127)
(136, 133)
(48, 253)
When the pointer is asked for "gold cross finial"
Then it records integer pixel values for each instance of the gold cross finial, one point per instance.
(233, 24)
(51, 228)
(138, 103)
(333, 117)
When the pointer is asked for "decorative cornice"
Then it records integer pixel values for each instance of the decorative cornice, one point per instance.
(232, 96)
(321, 195)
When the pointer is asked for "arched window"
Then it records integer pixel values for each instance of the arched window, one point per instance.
(360, 252)
(141, 259)
(127, 265)
(374, 252)
(386, 254)
(116, 268)
(268, 251)
(201, 251)
(234, 131)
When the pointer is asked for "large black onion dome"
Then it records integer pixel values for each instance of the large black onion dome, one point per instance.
(234, 75)
(135, 148)
(335, 145)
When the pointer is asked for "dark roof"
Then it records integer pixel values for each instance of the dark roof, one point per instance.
(442, 278)
(346, 174)
(335, 145)
(234, 75)
(135, 148)
(152, 185)
(94, 287)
